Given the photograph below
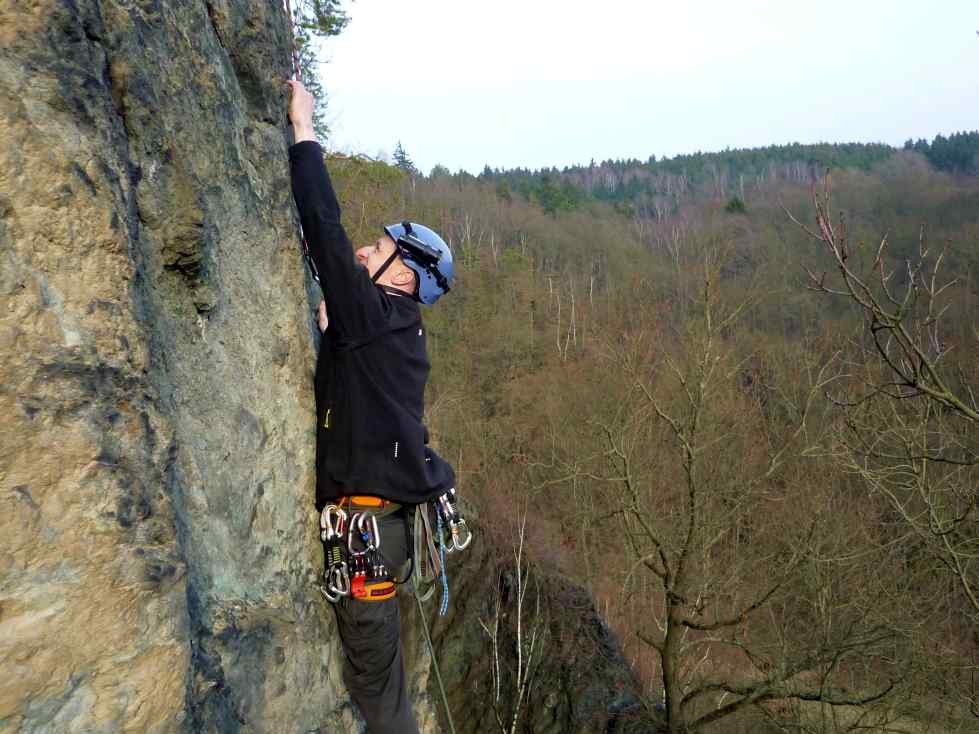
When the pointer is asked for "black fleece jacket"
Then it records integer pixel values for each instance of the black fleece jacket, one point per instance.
(372, 366)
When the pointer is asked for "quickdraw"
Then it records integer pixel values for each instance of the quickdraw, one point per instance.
(333, 522)
(451, 533)
(461, 535)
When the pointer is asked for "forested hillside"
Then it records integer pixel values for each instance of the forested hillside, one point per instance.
(656, 188)
(754, 440)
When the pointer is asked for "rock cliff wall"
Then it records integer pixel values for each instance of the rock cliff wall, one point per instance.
(156, 359)
(158, 545)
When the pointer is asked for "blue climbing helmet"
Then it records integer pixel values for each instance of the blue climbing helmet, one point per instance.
(427, 254)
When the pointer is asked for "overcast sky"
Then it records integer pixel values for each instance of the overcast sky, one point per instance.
(537, 83)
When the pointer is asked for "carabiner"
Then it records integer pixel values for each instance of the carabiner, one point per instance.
(333, 598)
(376, 532)
(447, 539)
(355, 524)
(329, 527)
(460, 528)
(340, 583)
(371, 533)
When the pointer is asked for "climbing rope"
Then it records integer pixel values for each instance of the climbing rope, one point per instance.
(435, 662)
(292, 36)
(298, 76)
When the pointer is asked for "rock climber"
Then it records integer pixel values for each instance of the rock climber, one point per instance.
(372, 455)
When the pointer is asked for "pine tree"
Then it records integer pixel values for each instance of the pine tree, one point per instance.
(313, 20)
(322, 18)
(402, 161)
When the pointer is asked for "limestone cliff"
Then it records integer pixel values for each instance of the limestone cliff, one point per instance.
(158, 545)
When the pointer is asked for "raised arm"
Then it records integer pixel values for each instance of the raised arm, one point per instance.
(353, 302)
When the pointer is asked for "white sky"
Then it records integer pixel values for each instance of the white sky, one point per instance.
(556, 82)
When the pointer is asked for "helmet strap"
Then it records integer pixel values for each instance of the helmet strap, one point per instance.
(385, 266)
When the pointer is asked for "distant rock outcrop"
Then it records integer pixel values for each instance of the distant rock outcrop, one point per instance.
(158, 544)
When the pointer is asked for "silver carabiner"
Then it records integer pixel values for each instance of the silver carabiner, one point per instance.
(340, 583)
(447, 539)
(325, 516)
(366, 524)
(330, 528)
(460, 528)
(331, 597)
(371, 531)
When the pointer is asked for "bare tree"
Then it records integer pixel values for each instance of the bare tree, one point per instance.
(741, 613)
(511, 688)
(912, 419)
(911, 426)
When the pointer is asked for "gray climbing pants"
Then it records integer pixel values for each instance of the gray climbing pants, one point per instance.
(370, 631)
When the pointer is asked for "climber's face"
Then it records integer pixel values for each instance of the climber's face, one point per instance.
(374, 256)
(397, 274)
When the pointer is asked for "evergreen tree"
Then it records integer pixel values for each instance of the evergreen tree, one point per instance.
(323, 18)
(958, 153)
(314, 20)
(403, 161)
(735, 206)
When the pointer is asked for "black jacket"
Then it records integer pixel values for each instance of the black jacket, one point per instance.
(372, 365)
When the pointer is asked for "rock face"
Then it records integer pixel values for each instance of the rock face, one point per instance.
(158, 540)
(159, 544)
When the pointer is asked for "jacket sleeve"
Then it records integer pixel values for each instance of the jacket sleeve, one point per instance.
(354, 304)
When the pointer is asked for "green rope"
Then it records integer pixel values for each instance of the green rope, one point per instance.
(435, 662)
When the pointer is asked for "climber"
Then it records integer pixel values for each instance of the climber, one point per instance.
(372, 457)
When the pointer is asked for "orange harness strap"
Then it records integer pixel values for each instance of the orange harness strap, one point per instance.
(364, 590)
(363, 500)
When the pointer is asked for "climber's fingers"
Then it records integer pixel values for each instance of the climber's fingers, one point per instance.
(301, 103)
(323, 319)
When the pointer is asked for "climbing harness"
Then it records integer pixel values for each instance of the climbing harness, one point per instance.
(354, 566)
